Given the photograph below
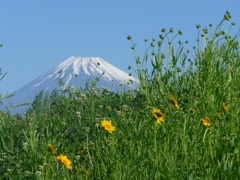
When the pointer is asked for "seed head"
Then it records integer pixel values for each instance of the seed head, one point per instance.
(227, 17)
(198, 26)
(205, 30)
(223, 32)
(171, 30)
(227, 37)
(180, 32)
(161, 36)
(129, 37)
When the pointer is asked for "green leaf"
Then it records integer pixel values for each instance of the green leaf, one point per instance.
(10, 95)
(24, 104)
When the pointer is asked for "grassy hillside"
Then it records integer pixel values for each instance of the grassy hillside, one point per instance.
(183, 122)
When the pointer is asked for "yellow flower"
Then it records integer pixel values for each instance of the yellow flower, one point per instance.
(51, 149)
(158, 115)
(206, 121)
(65, 161)
(225, 108)
(84, 171)
(108, 126)
(174, 102)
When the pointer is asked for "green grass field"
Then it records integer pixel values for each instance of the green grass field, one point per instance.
(183, 122)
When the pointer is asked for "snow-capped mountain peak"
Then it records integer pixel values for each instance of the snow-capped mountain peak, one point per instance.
(85, 68)
(76, 71)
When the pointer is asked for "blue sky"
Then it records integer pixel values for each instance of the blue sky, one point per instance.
(38, 35)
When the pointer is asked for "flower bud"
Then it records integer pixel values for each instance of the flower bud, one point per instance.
(129, 37)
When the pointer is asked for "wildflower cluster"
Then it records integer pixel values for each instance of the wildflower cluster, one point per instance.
(159, 115)
(62, 158)
(194, 132)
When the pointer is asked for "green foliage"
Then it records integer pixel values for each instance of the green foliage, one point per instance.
(168, 70)
(6, 96)
(2, 74)
(181, 147)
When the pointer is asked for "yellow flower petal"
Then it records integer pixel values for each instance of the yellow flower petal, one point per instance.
(225, 108)
(65, 161)
(206, 121)
(158, 115)
(174, 102)
(160, 120)
(51, 149)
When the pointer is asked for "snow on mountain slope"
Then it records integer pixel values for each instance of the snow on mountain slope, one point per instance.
(74, 71)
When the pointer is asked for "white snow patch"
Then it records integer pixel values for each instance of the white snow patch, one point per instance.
(68, 81)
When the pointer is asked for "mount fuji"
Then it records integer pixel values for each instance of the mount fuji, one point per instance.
(75, 71)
